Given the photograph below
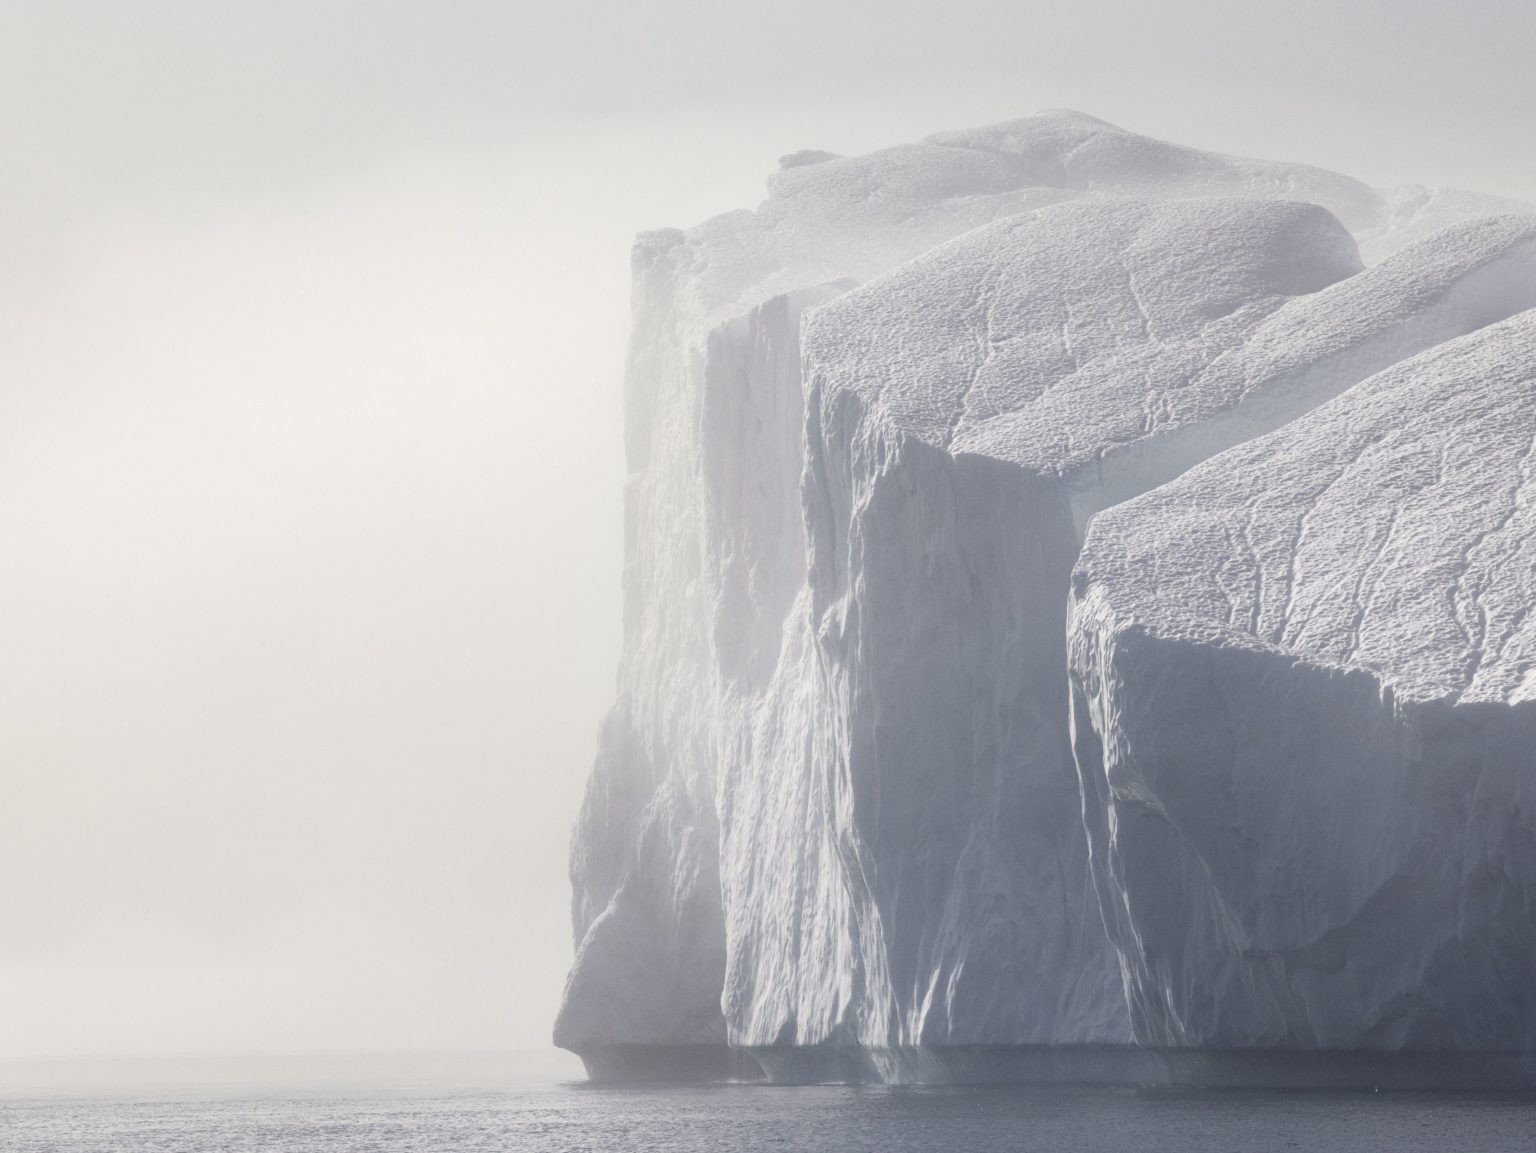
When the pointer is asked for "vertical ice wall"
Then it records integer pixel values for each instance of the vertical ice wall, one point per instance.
(714, 422)
(645, 857)
(903, 857)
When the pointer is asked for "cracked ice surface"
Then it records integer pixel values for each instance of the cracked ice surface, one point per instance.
(834, 803)
(1114, 343)
(1302, 678)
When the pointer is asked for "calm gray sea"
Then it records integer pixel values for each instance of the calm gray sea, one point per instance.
(537, 1116)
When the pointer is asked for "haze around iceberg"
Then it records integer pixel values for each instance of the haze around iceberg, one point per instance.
(837, 820)
(312, 324)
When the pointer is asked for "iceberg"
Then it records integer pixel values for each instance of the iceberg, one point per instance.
(836, 829)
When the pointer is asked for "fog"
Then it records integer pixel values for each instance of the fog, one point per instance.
(311, 334)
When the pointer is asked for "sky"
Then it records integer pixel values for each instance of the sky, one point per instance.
(312, 319)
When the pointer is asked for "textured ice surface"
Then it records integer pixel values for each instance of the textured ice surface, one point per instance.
(1301, 682)
(834, 803)
(1113, 343)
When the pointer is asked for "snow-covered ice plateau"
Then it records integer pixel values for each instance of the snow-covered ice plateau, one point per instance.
(905, 781)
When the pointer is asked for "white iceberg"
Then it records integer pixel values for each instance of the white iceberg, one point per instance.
(834, 818)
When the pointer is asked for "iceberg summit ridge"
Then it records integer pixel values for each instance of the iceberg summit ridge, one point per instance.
(1075, 598)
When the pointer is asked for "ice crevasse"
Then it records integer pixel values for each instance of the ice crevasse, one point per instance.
(888, 790)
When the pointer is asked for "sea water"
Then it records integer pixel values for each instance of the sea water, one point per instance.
(342, 1107)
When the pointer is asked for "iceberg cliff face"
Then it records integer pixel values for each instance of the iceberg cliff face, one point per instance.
(714, 422)
(835, 817)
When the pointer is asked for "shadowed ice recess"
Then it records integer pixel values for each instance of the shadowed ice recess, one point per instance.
(1076, 628)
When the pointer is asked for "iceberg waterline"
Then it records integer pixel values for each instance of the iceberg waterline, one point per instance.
(860, 808)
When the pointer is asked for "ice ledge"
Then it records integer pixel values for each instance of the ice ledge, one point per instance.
(663, 1064)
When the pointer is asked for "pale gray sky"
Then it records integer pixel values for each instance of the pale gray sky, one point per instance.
(311, 324)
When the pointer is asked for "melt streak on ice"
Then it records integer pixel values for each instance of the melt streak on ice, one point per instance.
(860, 804)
